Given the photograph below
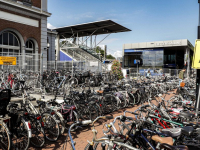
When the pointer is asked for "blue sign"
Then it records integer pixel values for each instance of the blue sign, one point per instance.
(141, 50)
(131, 50)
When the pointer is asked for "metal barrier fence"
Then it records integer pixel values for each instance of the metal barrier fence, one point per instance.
(94, 66)
(28, 62)
(31, 62)
(156, 72)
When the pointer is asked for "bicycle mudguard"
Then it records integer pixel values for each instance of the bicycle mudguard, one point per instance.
(59, 115)
(29, 129)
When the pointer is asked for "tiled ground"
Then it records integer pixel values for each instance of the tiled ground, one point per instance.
(81, 136)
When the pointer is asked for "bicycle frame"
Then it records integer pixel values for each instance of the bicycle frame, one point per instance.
(169, 121)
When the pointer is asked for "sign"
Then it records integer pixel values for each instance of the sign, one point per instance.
(141, 50)
(95, 63)
(196, 56)
(168, 43)
(7, 60)
(137, 61)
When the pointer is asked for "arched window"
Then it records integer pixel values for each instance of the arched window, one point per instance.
(30, 47)
(9, 44)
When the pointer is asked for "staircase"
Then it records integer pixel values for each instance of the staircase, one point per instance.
(80, 52)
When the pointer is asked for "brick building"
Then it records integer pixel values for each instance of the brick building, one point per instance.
(23, 29)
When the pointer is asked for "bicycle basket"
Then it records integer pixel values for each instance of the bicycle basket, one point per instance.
(182, 84)
(5, 96)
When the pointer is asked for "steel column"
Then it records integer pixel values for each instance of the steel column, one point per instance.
(198, 71)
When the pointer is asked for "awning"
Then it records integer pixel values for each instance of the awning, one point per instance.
(94, 28)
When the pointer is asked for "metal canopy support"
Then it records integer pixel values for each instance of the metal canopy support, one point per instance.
(103, 39)
(91, 41)
(90, 35)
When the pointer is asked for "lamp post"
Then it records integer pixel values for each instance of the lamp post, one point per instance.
(48, 46)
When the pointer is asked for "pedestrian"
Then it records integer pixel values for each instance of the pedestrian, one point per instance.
(148, 74)
(181, 75)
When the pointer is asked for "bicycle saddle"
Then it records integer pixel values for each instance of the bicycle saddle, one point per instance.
(173, 132)
(145, 106)
(32, 98)
(170, 147)
(187, 130)
(40, 103)
(167, 140)
(100, 91)
(76, 93)
(186, 115)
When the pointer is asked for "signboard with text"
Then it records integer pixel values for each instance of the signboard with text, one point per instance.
(7, 60)
(196, 56)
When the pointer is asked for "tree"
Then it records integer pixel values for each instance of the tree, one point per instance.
(98, 49)
(117, 69)
(110, 57)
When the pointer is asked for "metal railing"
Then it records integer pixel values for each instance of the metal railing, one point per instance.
(157, 72)
(28, 62)
(81, 66)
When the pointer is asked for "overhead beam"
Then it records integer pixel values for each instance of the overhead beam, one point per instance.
(90, 29)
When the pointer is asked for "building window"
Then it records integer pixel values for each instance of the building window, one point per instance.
(29, 47)
(9, 44)
(27, 2)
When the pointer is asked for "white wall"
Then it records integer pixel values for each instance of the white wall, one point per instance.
(18, 19)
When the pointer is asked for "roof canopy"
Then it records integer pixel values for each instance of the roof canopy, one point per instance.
(94, 28)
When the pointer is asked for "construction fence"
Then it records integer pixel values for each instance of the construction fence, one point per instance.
(133, 72)
(35, 63)
(28, 62)
(94, 66)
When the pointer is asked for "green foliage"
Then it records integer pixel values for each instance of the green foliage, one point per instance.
(117, 69)
(98, 49)
(110, 57)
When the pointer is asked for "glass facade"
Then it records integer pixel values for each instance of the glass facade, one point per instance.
(152, 58)
(146, 57)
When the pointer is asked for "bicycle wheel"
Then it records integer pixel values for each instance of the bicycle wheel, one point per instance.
(38, 136)
(93, 112)
(114, 103)
(176, 98)
(123, 102)
(20, 136)
(4, 137)
(51, 127)
(137, 98)
(97, 146)
(61, 120)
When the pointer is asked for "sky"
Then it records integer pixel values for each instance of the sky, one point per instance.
(149, 20)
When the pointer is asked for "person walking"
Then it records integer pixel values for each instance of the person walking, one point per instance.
(148, 74)
(181, 75)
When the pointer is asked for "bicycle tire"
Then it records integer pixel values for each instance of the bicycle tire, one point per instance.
(21, 143)
(50, 124)
(59, 117)
(6, 131)
(93, 112)
(38, 134)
